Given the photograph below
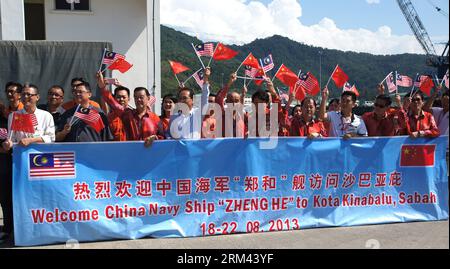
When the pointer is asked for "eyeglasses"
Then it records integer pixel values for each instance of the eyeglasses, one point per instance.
(25, 94)
(55, 95)
(11, 92)
(80, 92)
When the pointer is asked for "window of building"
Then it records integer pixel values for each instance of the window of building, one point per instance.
(73, 5)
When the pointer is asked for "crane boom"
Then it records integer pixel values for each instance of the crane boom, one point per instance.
(416, 26)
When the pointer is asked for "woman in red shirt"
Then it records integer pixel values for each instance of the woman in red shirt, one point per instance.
(306, 125)
(168, 104)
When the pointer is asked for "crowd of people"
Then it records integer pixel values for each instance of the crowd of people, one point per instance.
(219, 115)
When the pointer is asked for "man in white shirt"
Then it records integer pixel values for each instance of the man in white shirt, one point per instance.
(188, 123)
(44, 126)
(343, 123)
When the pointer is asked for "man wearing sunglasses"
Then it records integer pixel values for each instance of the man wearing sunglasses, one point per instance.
(385, 120)
(55, 98)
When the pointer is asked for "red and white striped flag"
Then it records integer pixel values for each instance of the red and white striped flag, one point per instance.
(309, 83)
(391, 84)
(34, 120)
(267, 63)
(206, 50)
(52, 165)
(91, 117)
(111, 56)
(199, 78)
(404, 81)
(251, 72)
(3, 134)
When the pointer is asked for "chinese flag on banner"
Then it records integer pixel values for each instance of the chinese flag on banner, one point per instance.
(286, 76)
(224, 53)
(426, 85)
(417, 155)
(339, 77)
(120, 64)
(177, 67)
(251, 61)
(22, 123)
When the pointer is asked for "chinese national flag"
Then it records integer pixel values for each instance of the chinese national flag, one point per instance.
(224, 53)
(251, 61)
(417, 155)
(286, 76)
(22, 123)
(120, 64)
(299, 94)
(339, 77)
(178, 67)
(426, 85)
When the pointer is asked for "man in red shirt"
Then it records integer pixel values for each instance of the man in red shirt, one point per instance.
(140, 124)
(419, 122)
(384, 120)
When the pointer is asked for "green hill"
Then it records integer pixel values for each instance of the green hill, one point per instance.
(365, 70)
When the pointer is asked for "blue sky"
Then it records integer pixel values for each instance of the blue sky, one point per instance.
(358, 13)
(373, 26)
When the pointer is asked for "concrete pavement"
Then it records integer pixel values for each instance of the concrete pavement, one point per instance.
(418, 235)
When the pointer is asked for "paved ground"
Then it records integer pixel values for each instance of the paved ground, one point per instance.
(418, 235)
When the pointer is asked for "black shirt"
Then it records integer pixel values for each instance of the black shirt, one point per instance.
(82, 132)
(56, 115)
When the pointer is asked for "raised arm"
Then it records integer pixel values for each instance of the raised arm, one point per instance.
(323, 115)
(205, 89)
(108, 97)
(428, 107)
(222, 94)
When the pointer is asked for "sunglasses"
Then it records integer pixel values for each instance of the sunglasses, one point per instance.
(379, 106)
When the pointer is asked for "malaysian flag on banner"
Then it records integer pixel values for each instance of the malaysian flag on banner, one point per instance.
(404, 81)
(3, 134)
(206, 50)
(267, 63)
(52, 165)
(199, 76)
(111, 57)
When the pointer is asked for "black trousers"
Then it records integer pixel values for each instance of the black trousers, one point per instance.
(6, 193)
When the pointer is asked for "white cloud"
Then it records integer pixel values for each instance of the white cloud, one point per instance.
(370, 2)
(242, 21)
